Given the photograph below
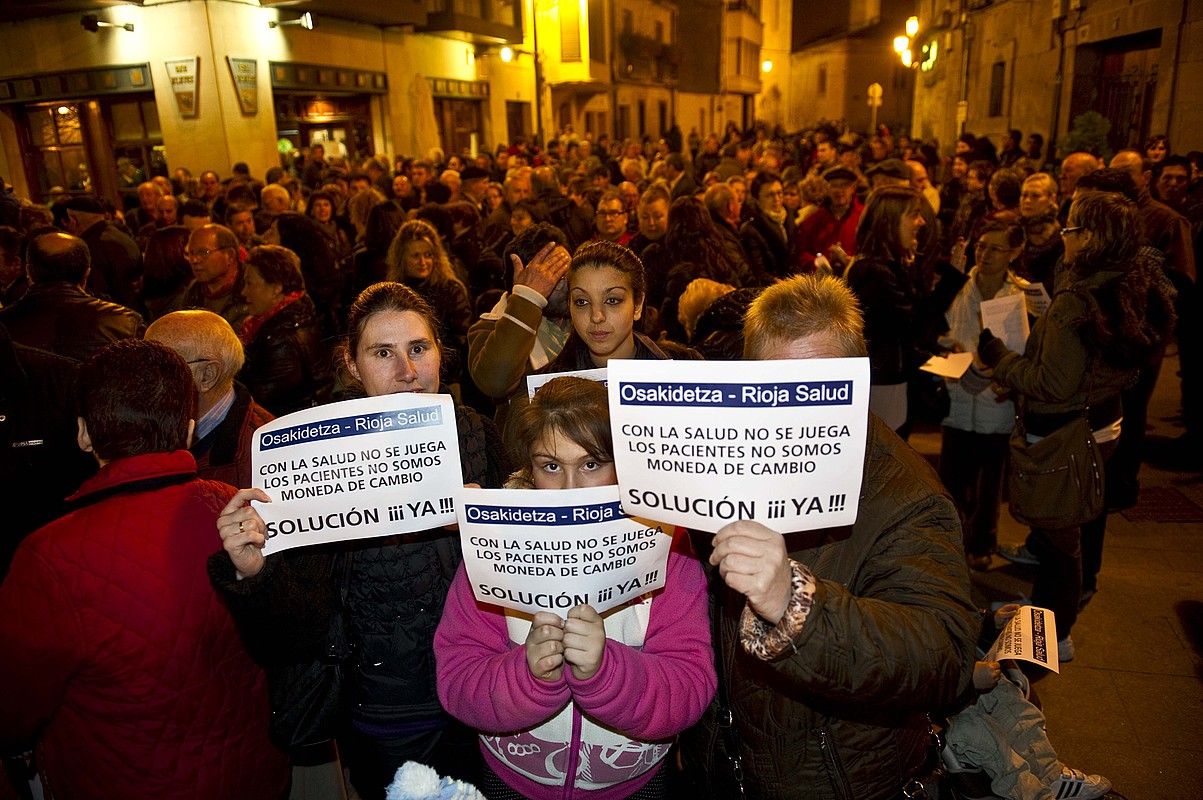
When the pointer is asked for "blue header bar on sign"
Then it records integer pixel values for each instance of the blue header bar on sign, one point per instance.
(556, 515)
(404, 419)
(737, 395)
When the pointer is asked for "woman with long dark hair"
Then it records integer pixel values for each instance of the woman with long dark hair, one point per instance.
(886, 240)
(691, 248)
(1111, 308)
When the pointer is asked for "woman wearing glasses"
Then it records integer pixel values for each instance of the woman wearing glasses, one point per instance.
(973, 449)
(1110, 309)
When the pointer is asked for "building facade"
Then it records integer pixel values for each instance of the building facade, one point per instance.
(721, 66)
(838, 50)
(203, 84)
(1036, 67)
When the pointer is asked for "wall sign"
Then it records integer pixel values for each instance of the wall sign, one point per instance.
(184, 73)
(246, 82)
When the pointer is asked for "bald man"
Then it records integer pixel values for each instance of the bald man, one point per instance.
(226, 414)
(147, 211)
(1168, 231)
(57, 314)
(1162, 226)
(1073, 167)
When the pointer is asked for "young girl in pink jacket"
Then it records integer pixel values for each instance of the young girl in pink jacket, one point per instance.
(583, 707)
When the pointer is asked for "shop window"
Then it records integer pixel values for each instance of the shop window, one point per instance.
(57, 154)
(137, 143)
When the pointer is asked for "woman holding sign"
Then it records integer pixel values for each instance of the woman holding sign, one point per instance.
(584, 706)
(390, 591)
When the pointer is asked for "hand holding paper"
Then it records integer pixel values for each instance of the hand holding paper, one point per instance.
(545, 647)
(243, 533)
(584, 642)
(1007, 317)
(752, 560)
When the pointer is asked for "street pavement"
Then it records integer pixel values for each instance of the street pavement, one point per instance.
(1130, 705)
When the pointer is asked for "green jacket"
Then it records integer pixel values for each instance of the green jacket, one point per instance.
(890, 637)
(1058, 370)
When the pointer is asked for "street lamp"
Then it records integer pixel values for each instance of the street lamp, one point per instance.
(904, 43)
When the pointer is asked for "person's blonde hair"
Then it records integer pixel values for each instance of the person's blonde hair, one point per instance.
(804, 306)
(697, 297)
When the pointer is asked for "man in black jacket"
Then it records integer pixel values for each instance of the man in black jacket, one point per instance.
(57, 314)
(834, 644)
(40, 462)
(116, 260)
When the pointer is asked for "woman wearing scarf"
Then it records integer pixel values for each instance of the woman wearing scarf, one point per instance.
(287, 364)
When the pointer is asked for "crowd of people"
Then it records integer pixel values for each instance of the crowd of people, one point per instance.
(141, 347)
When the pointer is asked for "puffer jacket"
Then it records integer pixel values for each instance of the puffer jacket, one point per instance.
(62, 318)
(288, 367)
(890, 637)
(395, 598)
(120, 659)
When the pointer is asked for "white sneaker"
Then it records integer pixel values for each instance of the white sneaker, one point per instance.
(1077, 785)
(1065, 649)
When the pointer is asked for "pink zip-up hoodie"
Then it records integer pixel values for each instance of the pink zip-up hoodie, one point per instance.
(600, 738)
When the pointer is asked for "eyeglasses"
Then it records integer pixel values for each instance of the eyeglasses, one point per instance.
(610, 213)
(201, 255)
(1072, 229)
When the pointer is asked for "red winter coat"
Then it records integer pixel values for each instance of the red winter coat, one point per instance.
(119, 659)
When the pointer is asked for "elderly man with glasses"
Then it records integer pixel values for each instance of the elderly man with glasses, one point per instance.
(214, 254)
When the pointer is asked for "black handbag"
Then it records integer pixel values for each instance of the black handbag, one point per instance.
(307, 698)
(1056, 482)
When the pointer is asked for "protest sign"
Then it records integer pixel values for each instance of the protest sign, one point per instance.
(357, 469)
(1007, 318)
(533, 550)
(784, 446)
(1036, 299)
(533, 382)
(1030, 635)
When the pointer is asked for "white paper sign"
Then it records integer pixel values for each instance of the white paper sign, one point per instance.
(953, 365)
(1030, 635)
(1037, 299)
(533, 550)
(1007, 318)
(535, 382)
(704, 443)
(357, 469)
